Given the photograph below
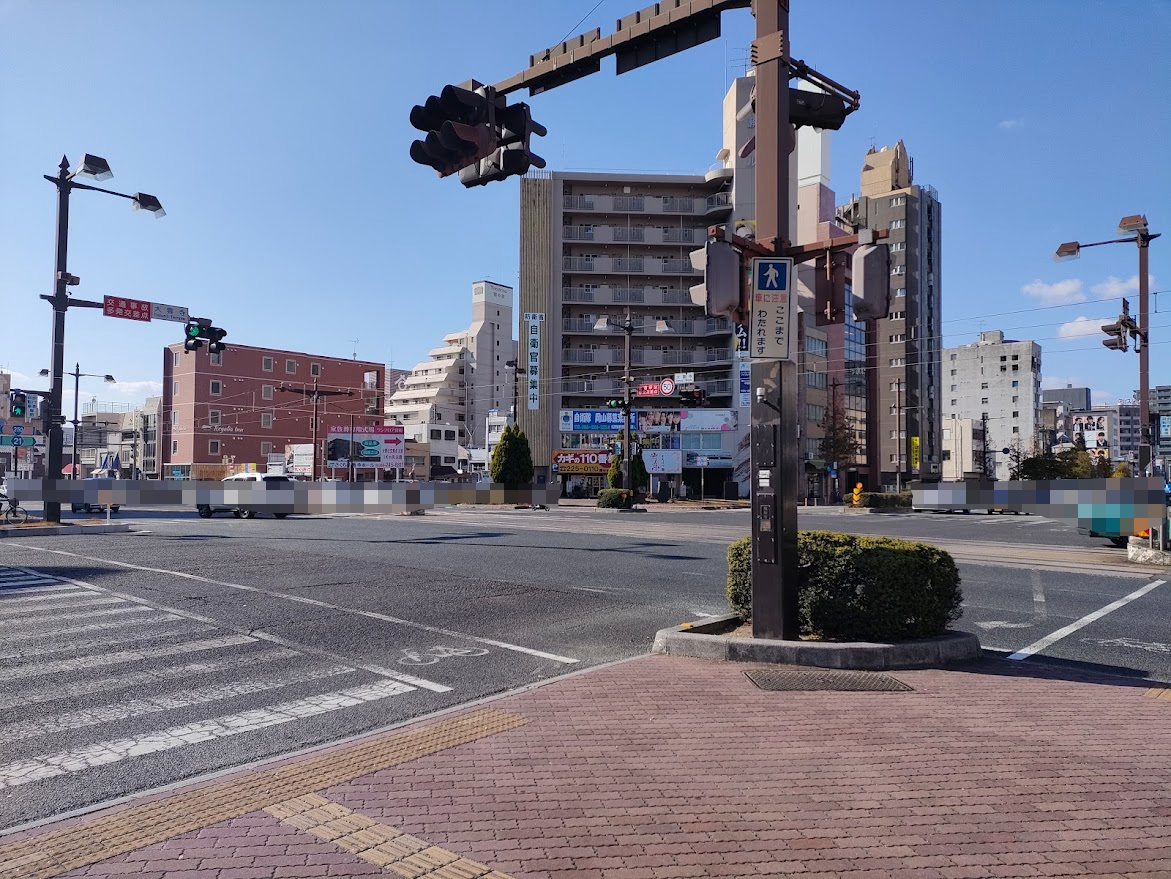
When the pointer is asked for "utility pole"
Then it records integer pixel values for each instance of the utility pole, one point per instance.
(627, 379)
(317, 395)
(984, 448)
(350, 447)
(899, 435)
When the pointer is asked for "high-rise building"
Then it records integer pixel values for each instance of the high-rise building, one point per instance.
(1074, 399)
(594, 250)
(996, 382)
(906, 376)
(467, 375)
(1122, 430)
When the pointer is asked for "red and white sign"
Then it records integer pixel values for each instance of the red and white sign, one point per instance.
(130, 309)
(378, 446)
(667, 387)
(664, 388)
(581, 461)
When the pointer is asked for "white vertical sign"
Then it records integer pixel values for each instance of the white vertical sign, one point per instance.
(532, 346)
(774, 310)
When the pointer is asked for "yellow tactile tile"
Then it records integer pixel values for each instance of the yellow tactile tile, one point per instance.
(379, 844)
(1159, 693)
(288, 789)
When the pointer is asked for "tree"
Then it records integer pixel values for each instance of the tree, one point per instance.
(1043, 466)
(839, 445)
(614, 474)
(1121, 471)
(1101, 469)
(512, 460)
(641, 477)
(1016, 458)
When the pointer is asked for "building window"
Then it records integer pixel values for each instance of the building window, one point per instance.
(266, 392)
(953, 402)
(174, 416)
(449, 435)
(266, 449)
(953, 372)
(898, 315)
(983, 401)
(953, 387)
(1016, 368)
(898, 245)
(217, 387)
(1016, 414)
(266, 420)
(898, 224)
(1014, 357)
(983, 386)
(291, 367)
(1003, 358)
(1016, 384)
(315, 370)
(174, 358)
(448, 459)
(900, 292)
(217, 359)
(175, 388)
(437, 434)
(899, 270)
(898, 201)
(899, 361)
(213, 447)
(953, 357)
(1015, 399)
(1016, 430)
(174, 447)
(266, 364)
(947, 454)
(898, 337)
(213, 417)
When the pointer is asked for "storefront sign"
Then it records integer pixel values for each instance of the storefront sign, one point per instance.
(663, 461)
(581, 461)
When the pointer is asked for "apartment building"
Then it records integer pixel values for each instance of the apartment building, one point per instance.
(237, 407)
(465, 376)
(963, 448)
(595, 250)
(996, 382)
(906, 348)
(1122, 429)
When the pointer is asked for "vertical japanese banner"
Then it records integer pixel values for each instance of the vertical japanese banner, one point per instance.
(745, 367)
(914, 454)
(533, 321)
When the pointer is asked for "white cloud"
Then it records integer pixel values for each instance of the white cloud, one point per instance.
(137, 389)
(1010, 123)
(1081, 326)
(1114, 287)
(1059, 293)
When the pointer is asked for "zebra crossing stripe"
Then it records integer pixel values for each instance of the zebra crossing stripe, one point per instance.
(77, 630)
(38, 590)
(186, 631)
(72, 601)
(115, 750)
(50, 621)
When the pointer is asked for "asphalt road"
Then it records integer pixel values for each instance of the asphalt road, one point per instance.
(129, 661)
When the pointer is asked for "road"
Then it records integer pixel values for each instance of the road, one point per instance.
(129, 661)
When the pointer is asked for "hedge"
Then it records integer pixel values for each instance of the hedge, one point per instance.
(886, 500)
(858, 588)
(616, 498)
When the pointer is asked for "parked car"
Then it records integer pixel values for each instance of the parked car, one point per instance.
(206, 511)
(95, 482)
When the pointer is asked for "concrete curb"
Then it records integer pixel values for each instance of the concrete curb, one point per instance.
(51, 530)
(1138, 550)
(695, 641)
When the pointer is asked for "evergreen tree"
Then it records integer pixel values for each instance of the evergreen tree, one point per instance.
(839, 445)
(501, 457)
(512, 459)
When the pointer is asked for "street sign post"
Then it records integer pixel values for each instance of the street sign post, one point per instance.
(774, 311)
(667, 387)
(128, 309)
(176, 313)
(684, 378)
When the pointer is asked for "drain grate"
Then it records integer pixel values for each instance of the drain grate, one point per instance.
(825, 679)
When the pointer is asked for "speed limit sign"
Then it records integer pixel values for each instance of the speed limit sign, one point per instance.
(667, 387)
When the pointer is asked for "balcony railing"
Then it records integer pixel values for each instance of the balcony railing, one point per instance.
(674, 204)
(682, 236)
(577, 325)
(719, 201)
(676, 297)
(578, 233)
(675, 357)
(629, 203)
(629, 233)
(578, 203)
(627, 264)
(577, 355)
(714, 355)
(576, 294)
(718, 325)
(678, 267)
(719, 386)
(629, 294)
(576, 387)
(578, 264)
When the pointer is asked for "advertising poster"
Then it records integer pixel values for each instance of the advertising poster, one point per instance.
(1094, 429)
(663, 461)
(591, 461)
(381, 446)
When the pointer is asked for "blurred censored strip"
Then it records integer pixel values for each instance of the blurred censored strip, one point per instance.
(283, 497)
(1106, 506)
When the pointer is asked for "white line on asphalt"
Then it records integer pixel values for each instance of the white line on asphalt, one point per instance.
(84, 663)
(303, 649)
(68, 601)
(153, 676)
(24, 652)
(503, 645)
(51, 621)
(36, 590)
(1049, 640)
(25, 581)
(24, 729)
(9, 640)
(113, 751)
(56, 593)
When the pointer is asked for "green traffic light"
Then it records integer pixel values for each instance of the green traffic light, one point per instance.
(193, 331)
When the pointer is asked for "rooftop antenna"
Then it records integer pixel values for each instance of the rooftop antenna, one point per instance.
(355, 341)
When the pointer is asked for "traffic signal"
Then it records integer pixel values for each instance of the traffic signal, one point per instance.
(460, 125)
(614, 404)
(193, 340)
(513, 156)
(215, 337)
(694, 396)
(200, 330)
(19, 406)
(723, 279)
(1117, 333)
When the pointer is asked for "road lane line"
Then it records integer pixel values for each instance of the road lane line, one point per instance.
(72, 602)
(503, 645)
(27, 652)
(84, 663)
(1052, 639)
(115, 750)
(37, 590)
(24, 729)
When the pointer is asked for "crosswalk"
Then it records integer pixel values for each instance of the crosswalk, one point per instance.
(90, 678)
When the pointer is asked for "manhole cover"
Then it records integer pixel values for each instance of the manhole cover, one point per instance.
(825, 679)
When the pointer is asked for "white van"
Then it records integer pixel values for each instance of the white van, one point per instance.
(206, 511)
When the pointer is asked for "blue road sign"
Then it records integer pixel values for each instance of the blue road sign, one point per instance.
(772, 274)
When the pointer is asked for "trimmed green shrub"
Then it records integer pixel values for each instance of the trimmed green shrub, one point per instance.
(615, 499)
(886, 500)
(858, 588)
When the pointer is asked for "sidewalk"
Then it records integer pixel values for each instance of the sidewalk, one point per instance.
(664, 767)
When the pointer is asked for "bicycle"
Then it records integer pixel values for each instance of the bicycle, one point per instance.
(14, 513)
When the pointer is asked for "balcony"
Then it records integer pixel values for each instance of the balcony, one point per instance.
(578, 203)
(677, 205)
(677, 297)
(719, 386)
(577, 264)
(578, 233)
(577, 355)
(680, 236)
(719, 203)
(629, 294)
(679, 267)
(717, 325)
(576, 294)
(627, 264)
(629, 203)
(577, 386)
(577, 325)
(717, 355)
(673, 358)
(629, 233)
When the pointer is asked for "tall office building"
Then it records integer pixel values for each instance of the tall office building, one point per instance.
(1073, 399)
(997, 383)
(906, 378)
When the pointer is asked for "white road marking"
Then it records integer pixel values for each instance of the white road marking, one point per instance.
(1130, 643)
(36, 590)
(369, 614)
(1052, 639)
(49, 623)
(113, 751)
(187, 631)
(141, 678)
(1001, 624)
(24, 603)
(84, 717)
(77, 630)
(84, 663)
(69, 602)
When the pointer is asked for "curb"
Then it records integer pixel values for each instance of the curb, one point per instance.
(50, 530)
(694, 641)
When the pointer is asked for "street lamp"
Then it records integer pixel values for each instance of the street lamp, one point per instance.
(1134, 226)
(77, 377)
(97, 168)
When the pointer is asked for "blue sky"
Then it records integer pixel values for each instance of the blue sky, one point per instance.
(276, 136)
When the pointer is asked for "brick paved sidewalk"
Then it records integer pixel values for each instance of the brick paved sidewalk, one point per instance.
(665, 767)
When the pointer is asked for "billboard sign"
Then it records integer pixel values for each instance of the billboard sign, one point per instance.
(592, 461)
(299, 459)
(1095, 430)
(591, 420)
(130, 309)
(663, 461)
(380, 446)
(679, 420)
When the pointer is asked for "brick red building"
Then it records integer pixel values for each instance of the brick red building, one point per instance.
(220, 412)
